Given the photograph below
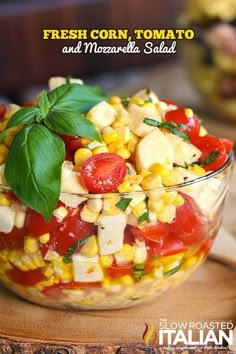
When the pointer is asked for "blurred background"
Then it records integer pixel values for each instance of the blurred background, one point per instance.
(27, 61)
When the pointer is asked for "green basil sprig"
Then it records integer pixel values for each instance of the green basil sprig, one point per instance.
(33, 166)
(173, 127)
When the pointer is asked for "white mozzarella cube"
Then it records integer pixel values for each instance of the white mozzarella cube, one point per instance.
(57, 81)
(7, 218)
(70, 180)
(86, 269)
(102, 115)
(183, 151)
(138, 114)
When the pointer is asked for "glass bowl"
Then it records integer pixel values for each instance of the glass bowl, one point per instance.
(77, 265)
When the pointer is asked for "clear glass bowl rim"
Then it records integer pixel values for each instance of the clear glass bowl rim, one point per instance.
(207, 176)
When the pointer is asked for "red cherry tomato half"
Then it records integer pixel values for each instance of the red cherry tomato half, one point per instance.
(151, 232)
(28, 104)
(14, 239)
(26, 278)
(169, 102)
(209, 144)
(72, 143)
(189, 225)
(103, 173)
(179, 116)
(166, 247)
(228, 144)
(128, 235)
(37, 225)
(2, 110)
(115, 271)
(68, 233)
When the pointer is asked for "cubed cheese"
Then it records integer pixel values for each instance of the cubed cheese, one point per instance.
(183, 151)
(102, 115)
(154, 148)
(70, 180)
(138, 114)
(111, 232)
(7, 218)
(86, 269)
(147, 94)
(57, 81)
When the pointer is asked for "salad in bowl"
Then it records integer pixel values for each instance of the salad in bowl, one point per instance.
(106, 202)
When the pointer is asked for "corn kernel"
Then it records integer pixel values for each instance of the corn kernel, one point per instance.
(85, 141)
(124, 153)
(81, 155)
(95, 205)
(113, 147)
(171, 179)
(114, 100)
(139, 209)
(99, 150)
(123, 117)
(88, 215)
(116, 124)
(123, 133)
(124, 187)
(179, 200)
(188, 112)
(117, 107)
(156, 206)
(45, 283)
(106, 284)
(203, 131)
(90, 249)
(125, 255)
(47, 271)
(44, 238)
(62, 270)
(134, 179)
(31, 244)
(3, 149)
(169, 197)
(167, 214)
(106, 261)
(160, 170)
(20, 216)
(171, 265)
(4, 200)
(137, 100)
(198, 170)
(109, 135)
(144, 173)
(190, 262)
(149, 105)
(132, 144)
(151, 181)
(126, 280)
(8, 140)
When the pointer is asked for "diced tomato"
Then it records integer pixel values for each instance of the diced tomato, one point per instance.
(26, 278)
(37, 225)
(128, 235)
(28, 104)
(189, 225)
(14, 239)
(166, 247)
(209, 144)
(103, 172)
(72, 143)
(2, 110)
(13, 197)
(115, 271)
(179, 116)
(155, 232)
(55, 290)
(68, 233)
(228, 144)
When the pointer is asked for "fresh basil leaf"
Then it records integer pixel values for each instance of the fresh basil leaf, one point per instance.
(33, 168)
(210, 159)
(71, 123)
(44, 103)
(123, 203)
(25, 115)
(172, 271)
(143, 217)
(72, 248)
(171, 126)
(72, 96)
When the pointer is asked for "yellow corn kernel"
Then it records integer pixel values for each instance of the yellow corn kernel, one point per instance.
(198, 170)
(99, 150)
(45, 283)
(169, 197)
(188, 112)
(167, 214)
(125, 255)
(114, 100)
(3, 199)
(203, 131)
(3, 150)
(179, 200)
(134, 179)
(116, 124)
(160, 170)
(8, 139)
(44, 238)
(95, 205)
(90, 249)
(31, 244)
(124, 153)
(117, 107)
(123, 117)
(81, 155)
(190, 262)
(62, 270)
(106, 261)
(109, 135)
(113, 147)
(132, 144)
(38, 259)
(151, 181)
(123, 133)
(149, 105)
(139, 209)
(126, 279)
(124, 187)
(85, 141)
(137, 100)
(47, 271)
(88, 215)
(144, 173)
(156, 205)
(171, 179)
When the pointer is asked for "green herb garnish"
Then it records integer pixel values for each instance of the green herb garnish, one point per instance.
(148, 90)
(171, 126)
(138, 271)
(123, 203)
(68, 256)
(186, 165)
(210, 159)
(143, 217)
(125, 102)
(172, 271)
(33, 166)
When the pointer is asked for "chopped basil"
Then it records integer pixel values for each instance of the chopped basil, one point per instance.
(123, 203)
(148, 90)
(67, 258)
(125, 102)
(128, 172)
(172, 271)
(139, 271)
(186, 165)
(143, 217)
(171, 126)
(210, 159)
